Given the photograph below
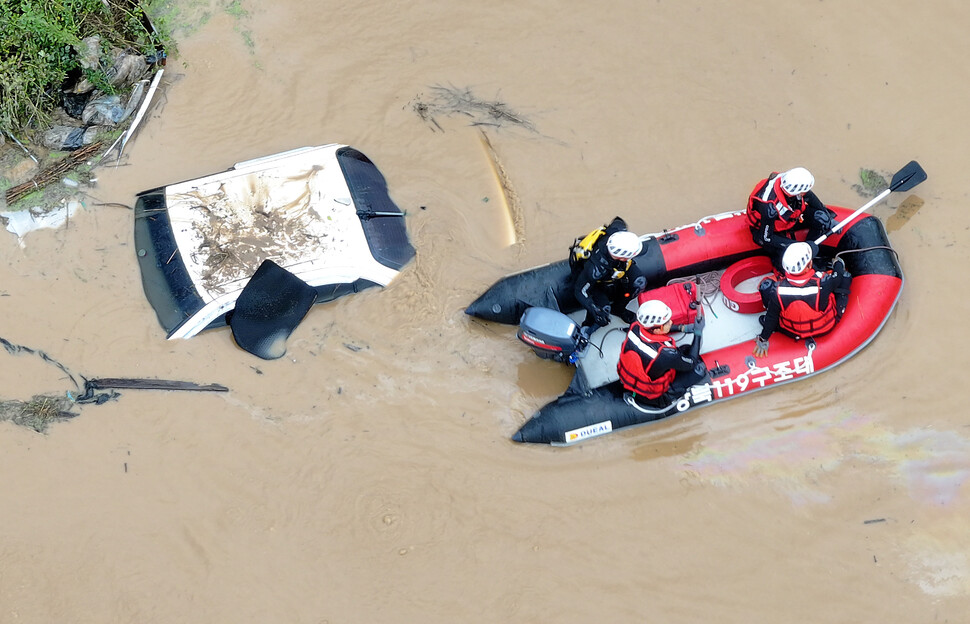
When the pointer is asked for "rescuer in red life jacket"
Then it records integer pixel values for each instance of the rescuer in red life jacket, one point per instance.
(651, 364)
(783, 204)
(804, 302)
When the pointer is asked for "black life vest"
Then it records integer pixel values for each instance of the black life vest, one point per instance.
(605, 268)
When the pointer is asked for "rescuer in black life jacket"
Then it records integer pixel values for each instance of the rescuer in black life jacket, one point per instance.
(782, 204)
(804, 302)
(583, 248)
(651, 364)
(608, 278)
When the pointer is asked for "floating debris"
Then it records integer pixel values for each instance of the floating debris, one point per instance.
(38, 413)
(42, 410)
(513, 210)
(150, 384)
(51, 174)
(450, 101)
(20, 222)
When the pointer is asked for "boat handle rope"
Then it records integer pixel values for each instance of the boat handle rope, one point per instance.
(874, 247)
(599, 347)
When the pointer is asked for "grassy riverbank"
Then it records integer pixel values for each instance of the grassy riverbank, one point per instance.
(45, 51)
(56, 56)
(54, 53)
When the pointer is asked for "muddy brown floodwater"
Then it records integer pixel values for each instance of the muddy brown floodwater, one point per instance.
(368, 475)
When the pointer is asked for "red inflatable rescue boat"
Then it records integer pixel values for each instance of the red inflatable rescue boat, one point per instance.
(722, 267)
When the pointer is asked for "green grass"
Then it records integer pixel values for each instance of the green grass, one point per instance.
(236, 10)
(40, 50)
(872, 180)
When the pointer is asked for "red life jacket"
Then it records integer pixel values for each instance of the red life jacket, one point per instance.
(803, 312)
(768, 193)
(637, 357)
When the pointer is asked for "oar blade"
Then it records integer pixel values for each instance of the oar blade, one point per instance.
(905, 179)
(908, 177)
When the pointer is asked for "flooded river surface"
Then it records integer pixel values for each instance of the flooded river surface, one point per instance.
(368, 475)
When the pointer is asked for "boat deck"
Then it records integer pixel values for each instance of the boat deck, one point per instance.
(724, 327)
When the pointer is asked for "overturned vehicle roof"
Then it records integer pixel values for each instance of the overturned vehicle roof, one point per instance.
(321, 214)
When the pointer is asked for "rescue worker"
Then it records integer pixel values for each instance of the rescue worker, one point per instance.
(651, 364)
(609, 279)
(583, 248)
(782, 204)
(804, 302)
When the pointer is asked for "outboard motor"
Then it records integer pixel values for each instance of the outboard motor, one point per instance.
(552, 335)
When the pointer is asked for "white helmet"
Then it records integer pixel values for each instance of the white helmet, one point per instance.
(797, 180)
(653, 313)
(796, 258)
(624, 245)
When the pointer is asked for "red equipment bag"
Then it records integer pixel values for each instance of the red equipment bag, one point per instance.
(681, 297)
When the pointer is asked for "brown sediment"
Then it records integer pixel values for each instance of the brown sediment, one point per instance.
(904, 212)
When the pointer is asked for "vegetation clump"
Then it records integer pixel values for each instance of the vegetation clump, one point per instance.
(871, 183)
(450, 101)
(872, 180)
(38, 413)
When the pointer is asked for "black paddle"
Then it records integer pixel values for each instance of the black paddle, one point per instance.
(905, 179)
